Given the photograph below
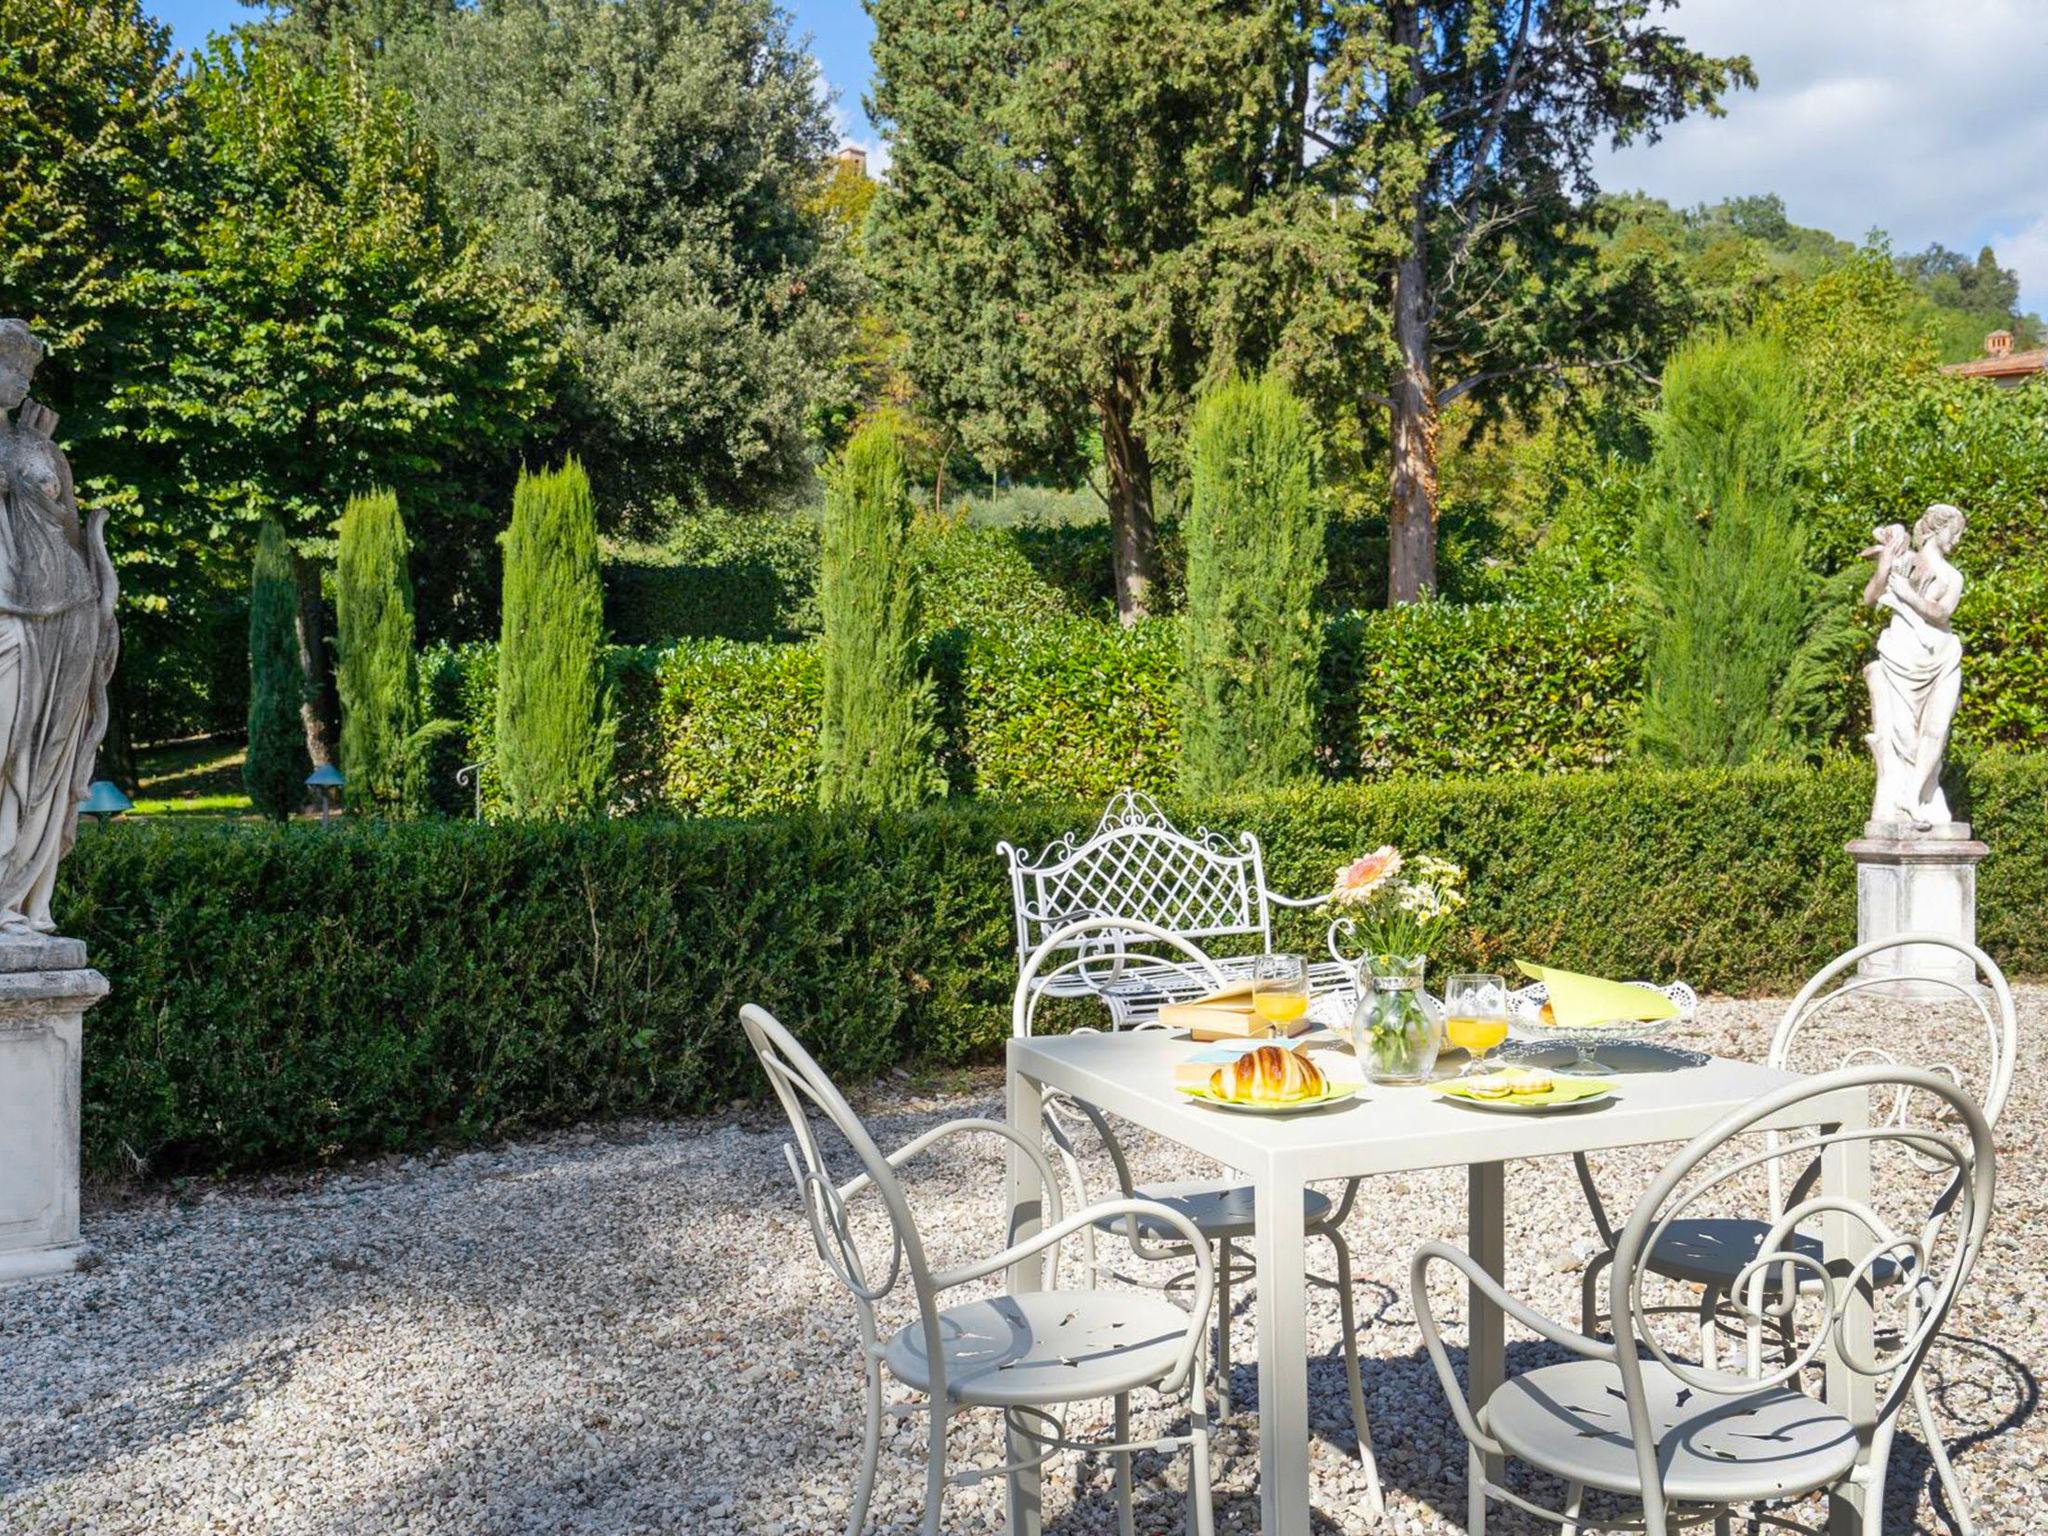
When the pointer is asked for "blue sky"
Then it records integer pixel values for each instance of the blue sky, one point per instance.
(1925, 118)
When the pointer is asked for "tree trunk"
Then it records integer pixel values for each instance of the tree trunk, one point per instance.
(1411, 514)
(1134, 536)
(316, 707)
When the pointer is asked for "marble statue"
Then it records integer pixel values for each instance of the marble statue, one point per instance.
(58, 640)
(1918, 674)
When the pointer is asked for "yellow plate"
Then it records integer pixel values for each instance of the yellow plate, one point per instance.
(1334, 1093)
(1563, 1092)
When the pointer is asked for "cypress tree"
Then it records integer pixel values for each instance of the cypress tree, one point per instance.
(377, 674)
(876, 737)
(1738, 624)
(274, 771)
(554, 739)
(1252, 639)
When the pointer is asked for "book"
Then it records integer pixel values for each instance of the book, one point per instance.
(1208, 1020)
(1196, 1068)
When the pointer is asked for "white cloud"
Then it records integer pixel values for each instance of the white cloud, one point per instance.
(1925, 118)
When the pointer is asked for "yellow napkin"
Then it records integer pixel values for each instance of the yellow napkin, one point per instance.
(1580, 1002)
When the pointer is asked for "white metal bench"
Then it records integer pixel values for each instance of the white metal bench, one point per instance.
(1138, 865)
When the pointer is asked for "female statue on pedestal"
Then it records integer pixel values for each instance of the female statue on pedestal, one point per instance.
(58, 641)
(1918, 675)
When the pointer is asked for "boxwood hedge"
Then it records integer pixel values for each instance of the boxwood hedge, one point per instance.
(283, 996)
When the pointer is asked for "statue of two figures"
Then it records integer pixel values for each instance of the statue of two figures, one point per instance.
(1918, 674)
(58, 641)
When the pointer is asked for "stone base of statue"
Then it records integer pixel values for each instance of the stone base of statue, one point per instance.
(45, 989)
(1909, 881)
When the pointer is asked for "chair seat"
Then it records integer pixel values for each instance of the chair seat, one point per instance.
(1218, 1209)
(1045, 1347)
(1572, 1421)
(1715, 1252)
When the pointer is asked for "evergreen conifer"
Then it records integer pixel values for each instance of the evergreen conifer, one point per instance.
(274, 770)
(1252, 637)
(1742, 630)
(377, 672)
(554, 736)
(876, 736)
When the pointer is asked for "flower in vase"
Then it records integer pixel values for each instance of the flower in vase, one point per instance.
(1358, 881)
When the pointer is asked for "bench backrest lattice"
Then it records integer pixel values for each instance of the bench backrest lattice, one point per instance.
(1138, 864)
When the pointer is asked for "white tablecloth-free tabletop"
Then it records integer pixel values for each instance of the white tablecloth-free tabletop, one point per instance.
(1395, 1130)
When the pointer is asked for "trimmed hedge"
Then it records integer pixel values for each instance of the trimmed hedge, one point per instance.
(288, 995)
(1075, 709)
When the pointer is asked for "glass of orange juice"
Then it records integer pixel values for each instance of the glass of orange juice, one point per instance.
(1280, 991)
(1476, 1016)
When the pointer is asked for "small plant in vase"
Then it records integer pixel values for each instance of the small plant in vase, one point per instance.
(1396, 910)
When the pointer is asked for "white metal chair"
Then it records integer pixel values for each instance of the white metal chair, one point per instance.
(1024, 1354)
(1712, 1253)
(1137, 864)
(1220, 1209)
(1690, 1442)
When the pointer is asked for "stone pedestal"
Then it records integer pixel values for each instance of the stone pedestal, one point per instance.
(1917, 882)
(45, 989)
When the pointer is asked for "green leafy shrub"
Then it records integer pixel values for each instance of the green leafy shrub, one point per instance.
(741, 576)
(739, 728)
(288, 996)
(275, 767)
(1252, 638)
(553, 747)
(1069, 711)
(1481, 688)
(376, 671)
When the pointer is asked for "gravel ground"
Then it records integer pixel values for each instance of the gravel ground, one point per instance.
(626, 1331)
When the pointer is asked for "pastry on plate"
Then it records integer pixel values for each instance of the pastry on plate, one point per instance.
(1508, 1082)
(1271, 1074)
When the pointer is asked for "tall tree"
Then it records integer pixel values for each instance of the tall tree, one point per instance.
(1253, 637)
(332, 329)
(377, 673)
(1739, 647)
(657, 162)
(90, 208)
(554, 736)
(1092, 206)
(875, 739)
(274, 767)
(1470, 126)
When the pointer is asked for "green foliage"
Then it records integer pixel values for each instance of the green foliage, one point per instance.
(1253, 640)
(1482, 688)
(553, 744)
(656, 165)
(738, 728)
(875, 734)
(376, 672)
(1069, 711)
(1723, 558)
(331, 329)
(288, 996)
(275, 767)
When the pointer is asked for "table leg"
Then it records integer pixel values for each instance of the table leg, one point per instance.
(1283, 1358)
(1486, 1356)
(1026, 1204)
(1845, 1171)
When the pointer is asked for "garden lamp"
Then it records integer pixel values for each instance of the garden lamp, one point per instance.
(103, 801)
(327, 779)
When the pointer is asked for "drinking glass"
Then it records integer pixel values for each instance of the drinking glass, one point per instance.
(1280, 991)
(1476, 1016)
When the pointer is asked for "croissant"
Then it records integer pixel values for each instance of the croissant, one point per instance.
(1269, 1075)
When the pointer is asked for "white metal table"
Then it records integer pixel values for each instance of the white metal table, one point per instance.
(1396, 1130)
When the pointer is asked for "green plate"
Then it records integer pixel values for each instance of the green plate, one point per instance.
(1336, 1093)
(1563, 1093)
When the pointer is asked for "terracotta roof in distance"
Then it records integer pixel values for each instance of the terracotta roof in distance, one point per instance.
(2000, 361)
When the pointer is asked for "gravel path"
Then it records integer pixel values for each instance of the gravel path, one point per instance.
(626, 1331)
